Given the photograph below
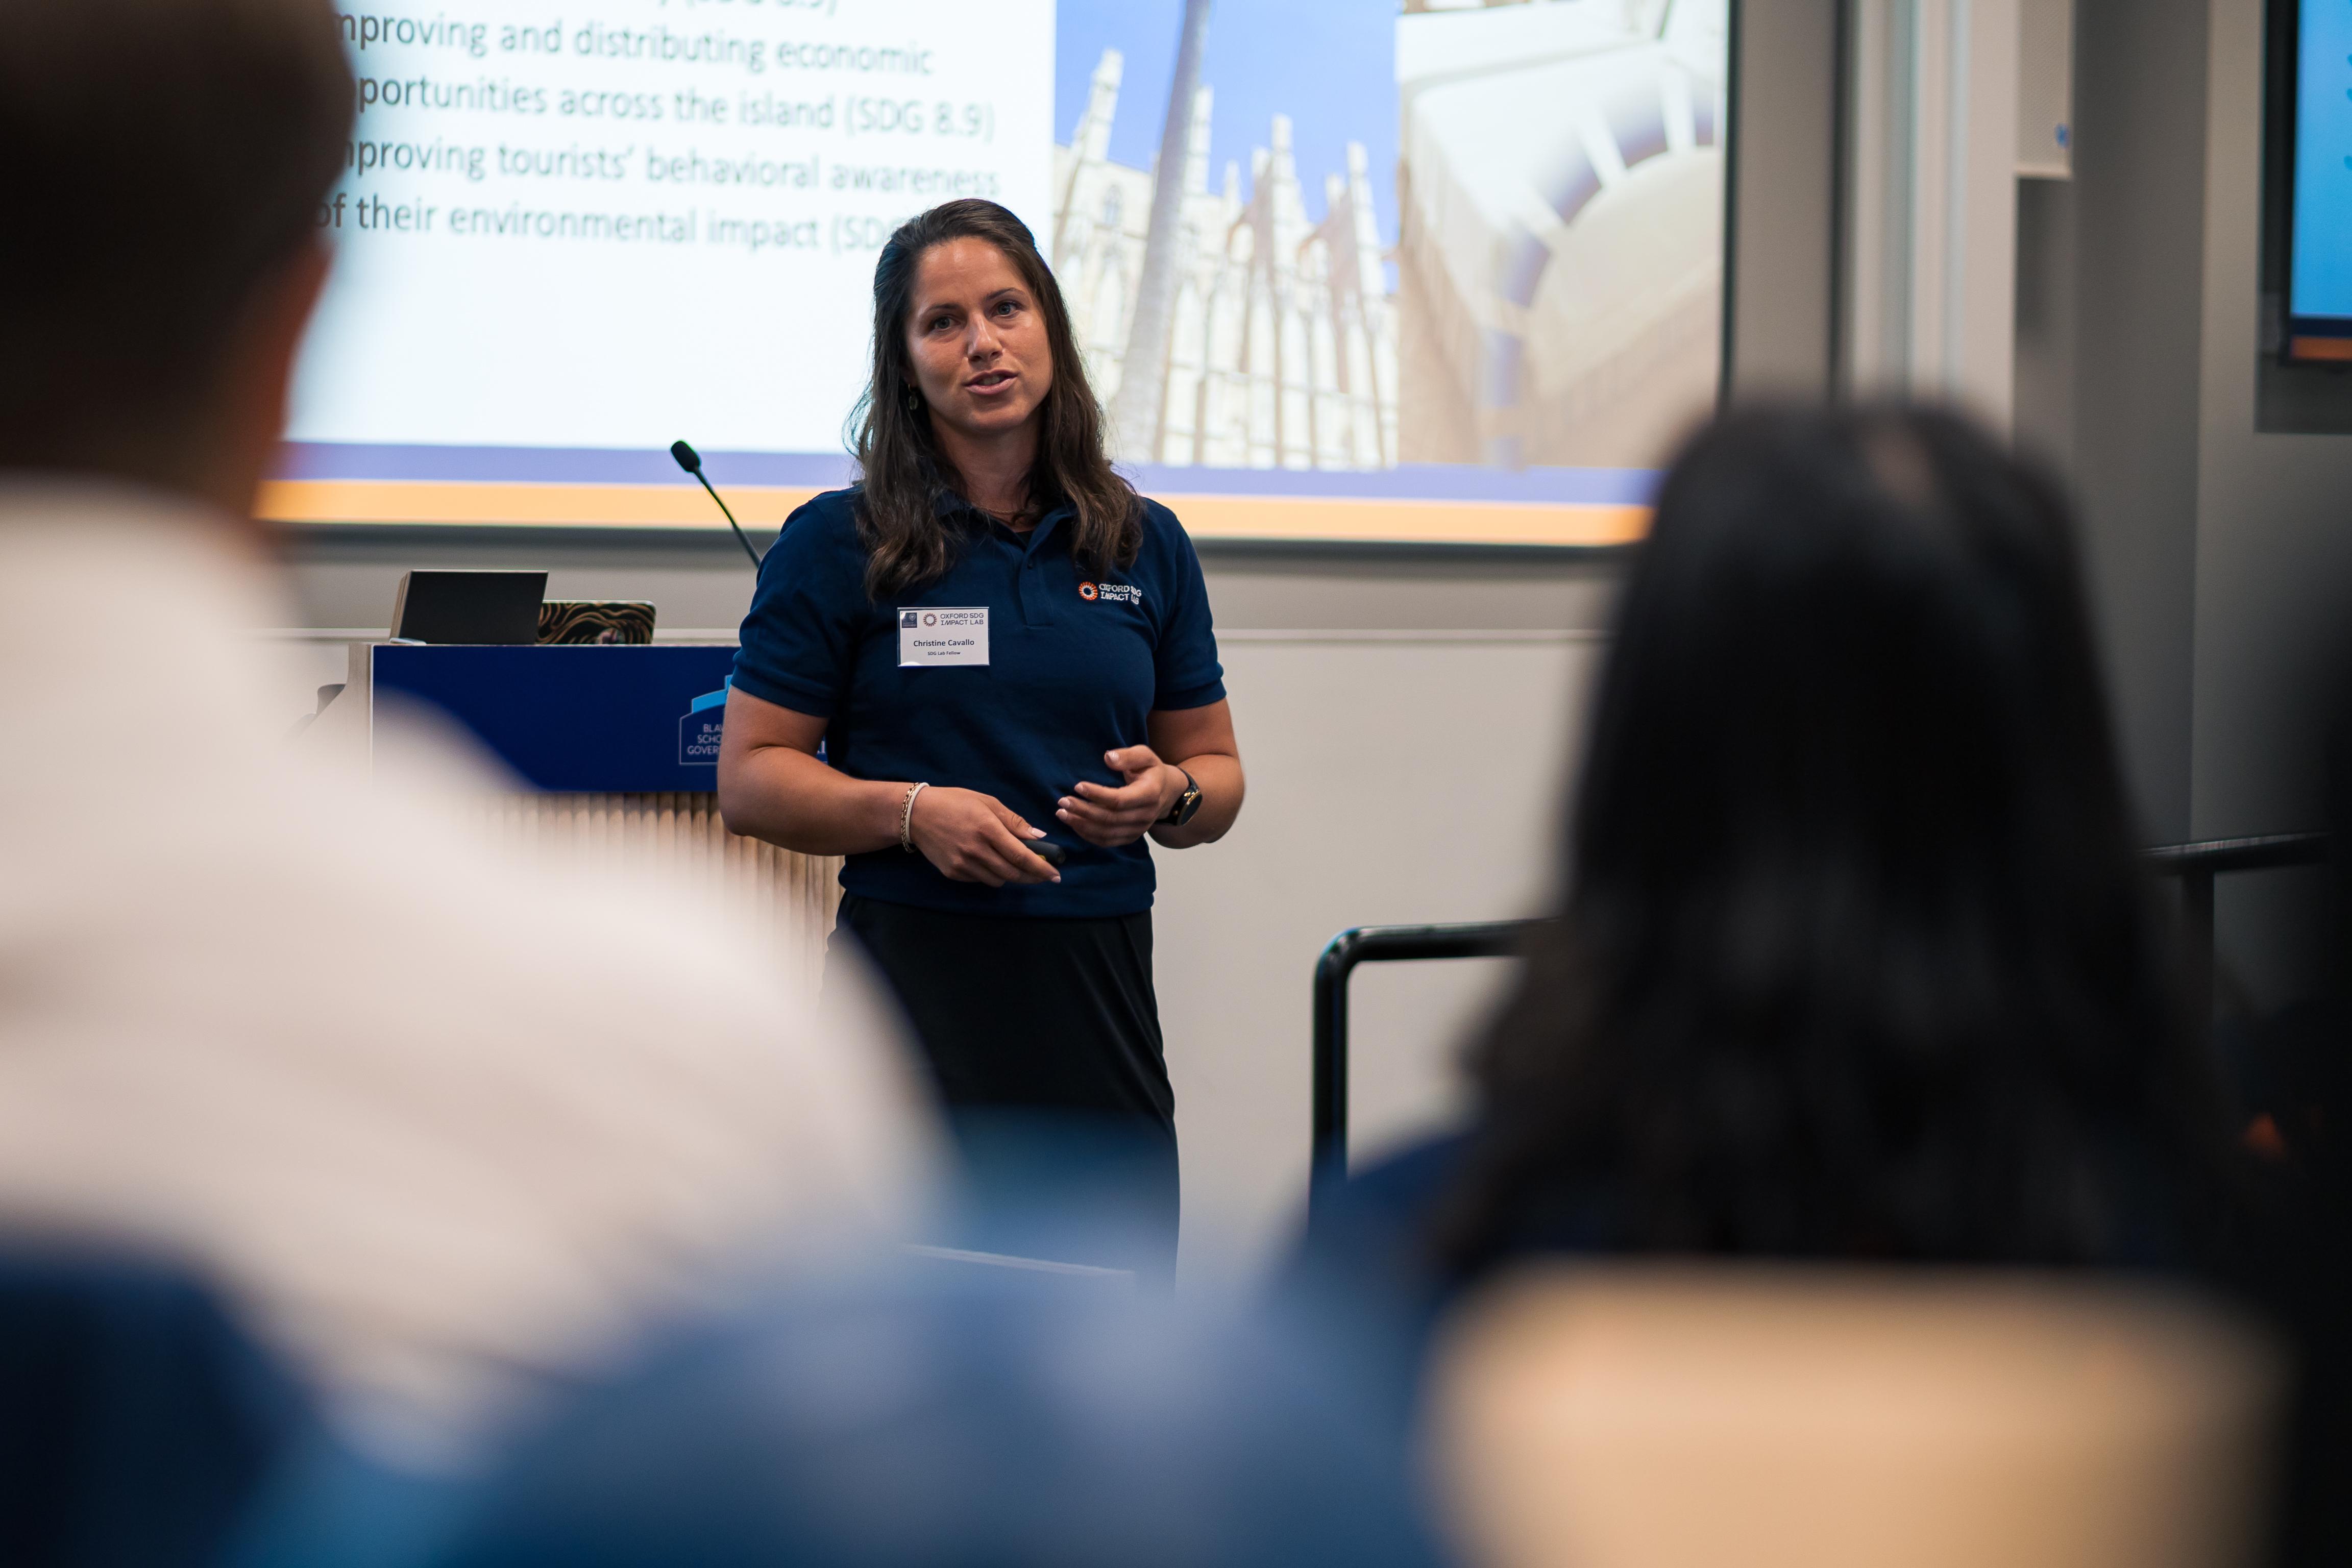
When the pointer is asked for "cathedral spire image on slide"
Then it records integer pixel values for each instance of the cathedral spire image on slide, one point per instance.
(1454, 234)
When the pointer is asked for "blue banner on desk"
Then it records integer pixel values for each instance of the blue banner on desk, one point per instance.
(578, 720)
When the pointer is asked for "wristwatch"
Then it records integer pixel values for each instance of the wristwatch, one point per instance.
(1186, 804)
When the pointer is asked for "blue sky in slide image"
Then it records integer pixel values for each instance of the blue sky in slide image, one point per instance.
(1330, 65)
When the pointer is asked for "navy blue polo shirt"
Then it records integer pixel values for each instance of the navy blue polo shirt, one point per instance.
(1078, 660)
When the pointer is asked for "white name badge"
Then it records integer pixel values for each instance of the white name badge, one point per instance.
(931, 635)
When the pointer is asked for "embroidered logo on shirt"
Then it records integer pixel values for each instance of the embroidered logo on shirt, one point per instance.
(1113, 593)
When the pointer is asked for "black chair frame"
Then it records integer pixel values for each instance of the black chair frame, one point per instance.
(2195, 864)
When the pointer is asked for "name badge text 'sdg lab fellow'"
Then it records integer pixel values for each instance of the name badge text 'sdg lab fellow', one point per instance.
(929, 635)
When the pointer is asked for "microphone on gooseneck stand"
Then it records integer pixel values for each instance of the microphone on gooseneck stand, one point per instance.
(691, 461)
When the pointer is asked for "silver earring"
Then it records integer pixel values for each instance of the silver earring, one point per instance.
(914, 402)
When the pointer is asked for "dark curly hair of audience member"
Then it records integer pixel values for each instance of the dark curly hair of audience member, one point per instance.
(1857, 957)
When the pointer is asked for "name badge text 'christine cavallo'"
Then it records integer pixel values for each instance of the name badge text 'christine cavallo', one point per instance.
(930, 635)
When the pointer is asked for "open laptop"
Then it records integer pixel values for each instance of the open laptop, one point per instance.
(469, 607)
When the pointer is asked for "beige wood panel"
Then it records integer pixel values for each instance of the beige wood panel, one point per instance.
(790, 897)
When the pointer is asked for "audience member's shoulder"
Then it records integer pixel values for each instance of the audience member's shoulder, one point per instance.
(1374, 1225)
(1405, 1186)
(1236, 1441)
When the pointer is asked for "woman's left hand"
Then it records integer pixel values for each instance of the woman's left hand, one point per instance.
(1110, 816)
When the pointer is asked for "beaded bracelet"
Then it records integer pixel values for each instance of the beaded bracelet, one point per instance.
(907, 817)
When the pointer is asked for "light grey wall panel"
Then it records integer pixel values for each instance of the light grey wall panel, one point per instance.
(2138, 217)
(1781, 339)
(2274, 562)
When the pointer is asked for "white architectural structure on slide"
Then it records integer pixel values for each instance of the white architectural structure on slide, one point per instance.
(1560, 246)
(1283, 343)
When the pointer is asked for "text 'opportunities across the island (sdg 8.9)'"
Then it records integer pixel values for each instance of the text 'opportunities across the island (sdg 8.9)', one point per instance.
(546, 195)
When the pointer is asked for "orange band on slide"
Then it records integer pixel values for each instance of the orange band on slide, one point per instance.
(579, 506)
(1205, 517)
(1358, 521)
(2336, 349)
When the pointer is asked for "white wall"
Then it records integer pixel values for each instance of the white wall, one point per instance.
(1394, 778)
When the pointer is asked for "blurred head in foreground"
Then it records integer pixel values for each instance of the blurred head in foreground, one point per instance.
(165, 162)
(972, 1419)
(1857, 956)
(447, 1119)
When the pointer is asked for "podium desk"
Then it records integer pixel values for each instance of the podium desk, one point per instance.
(618, 747)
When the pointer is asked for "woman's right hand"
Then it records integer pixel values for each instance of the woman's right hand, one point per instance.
(976, 837)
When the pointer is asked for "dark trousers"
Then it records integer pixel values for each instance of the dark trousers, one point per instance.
(1043, 1037)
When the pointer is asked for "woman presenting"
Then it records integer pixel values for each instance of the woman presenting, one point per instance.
(1002, 645)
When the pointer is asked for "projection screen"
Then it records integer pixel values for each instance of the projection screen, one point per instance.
(1448, 274)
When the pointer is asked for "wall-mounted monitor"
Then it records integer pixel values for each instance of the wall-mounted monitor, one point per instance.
(1444, 271)
(2319, 267)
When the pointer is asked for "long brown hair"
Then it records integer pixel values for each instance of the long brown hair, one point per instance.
(907, 541)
